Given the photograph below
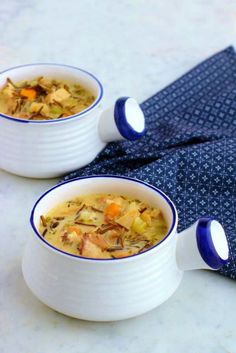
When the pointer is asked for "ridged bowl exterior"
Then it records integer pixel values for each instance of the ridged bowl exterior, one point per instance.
(49, 150)
(101, 291)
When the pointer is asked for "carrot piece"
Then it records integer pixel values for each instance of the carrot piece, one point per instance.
(28, 93)
(112, 210)
(74, 229)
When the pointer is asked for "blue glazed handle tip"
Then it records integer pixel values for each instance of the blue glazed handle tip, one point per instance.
(129, 118)
(212, 243)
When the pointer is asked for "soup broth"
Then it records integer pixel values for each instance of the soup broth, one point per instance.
(43, 98)
(103, 226)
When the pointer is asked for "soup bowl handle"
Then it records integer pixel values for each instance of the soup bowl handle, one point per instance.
(122, 121)
(202, 246)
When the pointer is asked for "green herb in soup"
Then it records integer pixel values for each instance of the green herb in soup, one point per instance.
(43, 99)
(103, 226)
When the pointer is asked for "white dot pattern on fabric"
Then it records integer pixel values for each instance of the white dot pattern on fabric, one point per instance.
(189, 150)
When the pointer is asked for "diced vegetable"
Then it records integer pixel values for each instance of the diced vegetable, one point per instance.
(28, 93)
(112, 211)
(74, 229)
(138, 225)
(55, 112)
(146, 217)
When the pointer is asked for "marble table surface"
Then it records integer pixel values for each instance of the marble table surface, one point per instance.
(135, 48)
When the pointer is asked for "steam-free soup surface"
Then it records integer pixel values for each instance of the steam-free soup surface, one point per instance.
(43, 98)
(103, 226)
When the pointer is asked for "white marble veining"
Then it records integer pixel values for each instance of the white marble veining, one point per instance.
(135, 48)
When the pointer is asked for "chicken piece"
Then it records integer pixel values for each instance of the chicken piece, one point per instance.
(59, 95)
(98, 240)
(127, 219)
(87, 216)
(9, 91)
(89, 249)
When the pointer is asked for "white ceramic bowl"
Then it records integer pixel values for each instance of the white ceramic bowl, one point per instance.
(115, 289)
(49, 148)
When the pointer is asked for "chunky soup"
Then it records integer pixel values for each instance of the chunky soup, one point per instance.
(43, 99)
(103, 226)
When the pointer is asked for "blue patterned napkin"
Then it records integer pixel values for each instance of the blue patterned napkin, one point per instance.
(189, 150)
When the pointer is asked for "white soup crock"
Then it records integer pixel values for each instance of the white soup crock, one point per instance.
(116, 289)
(50, 148)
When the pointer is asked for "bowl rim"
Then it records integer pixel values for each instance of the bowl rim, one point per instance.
(171, 231)
(83, 112)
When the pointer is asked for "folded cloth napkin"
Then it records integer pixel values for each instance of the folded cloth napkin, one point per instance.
(189, 150)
